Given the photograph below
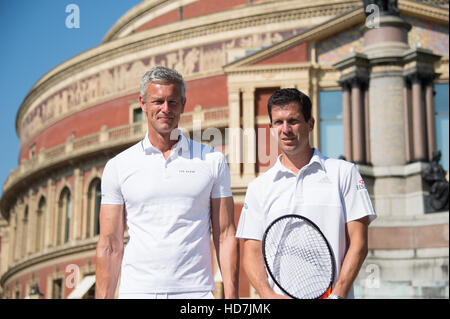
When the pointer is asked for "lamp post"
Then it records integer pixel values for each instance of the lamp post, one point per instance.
(35, 293)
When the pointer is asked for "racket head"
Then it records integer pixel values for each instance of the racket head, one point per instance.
(298, 257)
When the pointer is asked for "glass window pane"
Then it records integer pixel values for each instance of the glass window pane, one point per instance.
(331, 129)
(98, 198)
(441, 108)
(332, 138)
(331, 105)
(441, 97)
(442, 130)
(137, 115)
(67, 228)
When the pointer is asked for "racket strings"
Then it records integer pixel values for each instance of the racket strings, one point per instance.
(300, 259)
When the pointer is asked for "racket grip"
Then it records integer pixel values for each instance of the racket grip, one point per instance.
(326, 294)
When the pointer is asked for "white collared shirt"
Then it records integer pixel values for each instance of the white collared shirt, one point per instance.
(329, 192)
(167, 206)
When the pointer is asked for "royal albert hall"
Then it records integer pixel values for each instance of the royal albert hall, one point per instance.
(378, 96)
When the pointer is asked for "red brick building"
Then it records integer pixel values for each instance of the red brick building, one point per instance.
(233, 55)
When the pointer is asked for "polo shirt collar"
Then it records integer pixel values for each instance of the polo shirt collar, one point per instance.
(182, 144)
(316, 159)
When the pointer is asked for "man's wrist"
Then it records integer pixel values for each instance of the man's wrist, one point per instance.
(335, 297)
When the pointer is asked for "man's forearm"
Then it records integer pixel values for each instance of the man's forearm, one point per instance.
(350, 268)
(354, 258)
(228, 258)
(108, 262)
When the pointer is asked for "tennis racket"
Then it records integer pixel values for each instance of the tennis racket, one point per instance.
(298, 257)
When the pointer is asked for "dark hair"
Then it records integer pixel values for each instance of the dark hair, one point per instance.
(285, 96)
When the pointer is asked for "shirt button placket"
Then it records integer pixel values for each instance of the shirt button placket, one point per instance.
(165, 168)
(298, 197)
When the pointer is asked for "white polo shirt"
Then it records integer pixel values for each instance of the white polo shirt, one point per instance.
(168, 214)
(330, 192)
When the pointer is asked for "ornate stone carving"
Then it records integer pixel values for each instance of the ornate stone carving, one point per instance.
(122, 78)
(438, 199)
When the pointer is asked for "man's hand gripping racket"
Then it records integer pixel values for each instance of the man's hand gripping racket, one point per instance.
(298, 257)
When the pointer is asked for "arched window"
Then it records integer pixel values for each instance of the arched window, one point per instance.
(64, 212)
(40, 223)
(93, 208)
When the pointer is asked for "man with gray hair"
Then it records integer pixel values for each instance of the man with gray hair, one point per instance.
(168, 189)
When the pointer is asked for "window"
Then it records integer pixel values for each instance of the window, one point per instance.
(40, 227)
(63, 226)
(93, 209)
(57, 289)
(331, 128)
(137, 115)
(441, 119)
(32, 150)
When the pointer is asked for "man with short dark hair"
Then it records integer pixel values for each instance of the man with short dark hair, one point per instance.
(168, 189)
(330, 192)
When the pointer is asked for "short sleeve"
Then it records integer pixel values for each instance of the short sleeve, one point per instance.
(251, 221)
(222, 182)
(110, 186)
(356, 197)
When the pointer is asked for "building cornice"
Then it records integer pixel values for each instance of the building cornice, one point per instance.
(130, 18)
(148, 10)
(424, 11)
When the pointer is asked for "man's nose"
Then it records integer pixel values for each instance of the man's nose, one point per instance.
(286, 128)
(165, 107)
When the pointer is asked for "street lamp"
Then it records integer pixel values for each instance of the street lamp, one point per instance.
(35, 293)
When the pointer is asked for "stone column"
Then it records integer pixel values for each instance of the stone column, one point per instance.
(408, 120)
(233, 136)
(32, 225)
(20, 230)
(75, 231)
(347, 121)
(12, 235)
(419, 120)
(387, 126)
(49, 234)
(431, 126)
(314, 94)
(249, 137)
(358, 136)
(366, 124)
(384, 47)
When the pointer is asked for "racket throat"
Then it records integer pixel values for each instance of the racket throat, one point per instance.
(326, 294)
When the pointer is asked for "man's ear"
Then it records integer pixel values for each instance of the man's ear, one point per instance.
(142, 103)
(182, 105)
(311, 123)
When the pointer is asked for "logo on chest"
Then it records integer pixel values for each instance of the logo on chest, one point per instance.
(187, 171)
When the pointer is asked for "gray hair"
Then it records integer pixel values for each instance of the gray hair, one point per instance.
(161, 74)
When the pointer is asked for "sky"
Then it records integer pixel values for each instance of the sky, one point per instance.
(35, 38)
